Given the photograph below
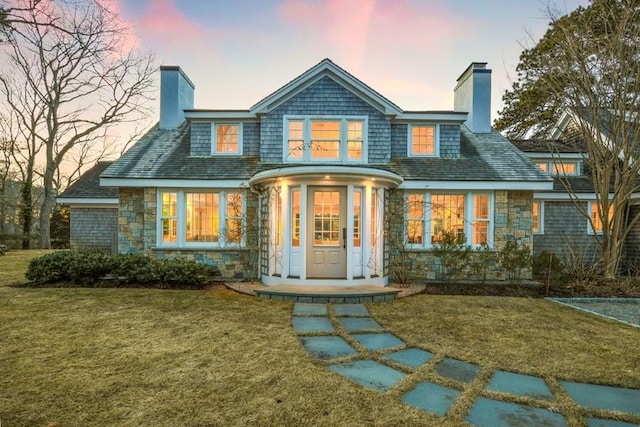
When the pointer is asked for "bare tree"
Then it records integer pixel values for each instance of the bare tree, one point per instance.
(596, 72)
(71, 75)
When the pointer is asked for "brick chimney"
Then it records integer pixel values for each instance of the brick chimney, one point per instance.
(473, 95)
(176, 95)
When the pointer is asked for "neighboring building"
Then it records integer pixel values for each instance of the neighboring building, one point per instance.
(93, 212)
(325, 181)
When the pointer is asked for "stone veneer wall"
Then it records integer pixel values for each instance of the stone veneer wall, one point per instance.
(512, 220)
(137, 235)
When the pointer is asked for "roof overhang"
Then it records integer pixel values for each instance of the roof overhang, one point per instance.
(173, 183)
(217, 115)
(431, 116)
(477, 185)
(326, 174)
(88, 201)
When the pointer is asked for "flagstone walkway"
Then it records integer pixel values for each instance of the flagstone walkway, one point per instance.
(346, 339)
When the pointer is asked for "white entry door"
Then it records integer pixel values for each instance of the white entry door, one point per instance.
(327, 232)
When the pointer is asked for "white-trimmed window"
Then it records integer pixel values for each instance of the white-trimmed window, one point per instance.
(429, 216)
(596, 220)
(325, 139)
(537, 216)
(226, 138)
(201, 218)
(559, 167)
(423, 140)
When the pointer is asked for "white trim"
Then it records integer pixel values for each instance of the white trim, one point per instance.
(213, 115)
(436, 139)
(477, 185)
(435, 116)
(88, 201)
(555, 156)
(174, 183)
(320, 171)
(214, 139)
(566, 196)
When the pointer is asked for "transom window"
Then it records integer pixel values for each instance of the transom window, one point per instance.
(325, 139)
(429, 217)
(423, 140)
(226, 138)
(207, 218)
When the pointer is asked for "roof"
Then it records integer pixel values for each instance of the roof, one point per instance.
(547, 145)
(88, 185)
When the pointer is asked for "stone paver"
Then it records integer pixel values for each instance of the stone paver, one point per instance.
(369, 373)
(357, 324)
(434, 398)
(412, 357)
(457, 370)
(350, 310)
(596, 422)
(431, 397)
(493, 413)
(327, 347)
(604, 397)
(308, 309)
(520, 385)
(378, 341)
(312, 324)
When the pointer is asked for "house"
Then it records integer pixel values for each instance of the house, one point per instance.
(560, 222)
(324, 181)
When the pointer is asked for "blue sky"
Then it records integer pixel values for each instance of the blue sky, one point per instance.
(411, 51)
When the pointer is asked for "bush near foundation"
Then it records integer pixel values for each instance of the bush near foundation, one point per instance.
(98, 269)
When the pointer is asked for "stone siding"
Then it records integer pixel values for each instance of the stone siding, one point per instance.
(512, 221)
(325, 97)
(94, 228)
(137, 235)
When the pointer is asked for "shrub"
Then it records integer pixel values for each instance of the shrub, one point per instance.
(453, 253)
(514, 258)
(548, 266)
(99, 269)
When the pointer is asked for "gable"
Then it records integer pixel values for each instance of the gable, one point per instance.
(326, 68)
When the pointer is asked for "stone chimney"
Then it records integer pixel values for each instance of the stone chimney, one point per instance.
(473, 95)
(176, 95)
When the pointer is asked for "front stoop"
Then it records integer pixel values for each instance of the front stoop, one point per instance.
(329, 294)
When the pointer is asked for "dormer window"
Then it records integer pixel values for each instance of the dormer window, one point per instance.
(226, 138)
(559, 167)
(423, 140)
(325, 139)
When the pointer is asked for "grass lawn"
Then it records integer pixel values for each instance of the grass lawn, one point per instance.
(140, 357)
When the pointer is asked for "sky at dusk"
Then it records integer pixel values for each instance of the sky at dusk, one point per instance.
(411, 51)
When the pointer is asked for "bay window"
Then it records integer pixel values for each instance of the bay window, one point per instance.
(325, 139)
(201, 218)
(431, 216)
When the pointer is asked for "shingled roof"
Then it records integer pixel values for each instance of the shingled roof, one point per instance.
(88, 185)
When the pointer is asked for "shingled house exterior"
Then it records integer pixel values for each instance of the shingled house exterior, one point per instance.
(325, 181)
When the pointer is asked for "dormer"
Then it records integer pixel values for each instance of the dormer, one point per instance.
(554, 158)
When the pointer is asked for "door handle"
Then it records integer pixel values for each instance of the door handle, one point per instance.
(344, 238)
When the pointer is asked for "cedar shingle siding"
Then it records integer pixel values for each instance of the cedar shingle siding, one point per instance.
(94, 228)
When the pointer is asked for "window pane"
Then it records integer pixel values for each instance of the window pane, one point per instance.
(480, 219)
(481, 206)
(169, 230)
(535, 208)
(423, 140)
(565, 168)
(296, 139)
(354, 140)
(227, 138)
(169, 219)
(447, 216)
(234, 218)
(543, 166)
(278, 217)
(202, 217)
(357, 208)
(295, 214)
(415, 214)
(326, 215)
(325, 139)
(596, 219)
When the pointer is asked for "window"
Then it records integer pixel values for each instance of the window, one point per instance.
(559, 167)
(201, 218)
(295, 217)
(422, 140)
(325, 140)
(596, 220)
(227, 138)
(537, 216)
(430, 216)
